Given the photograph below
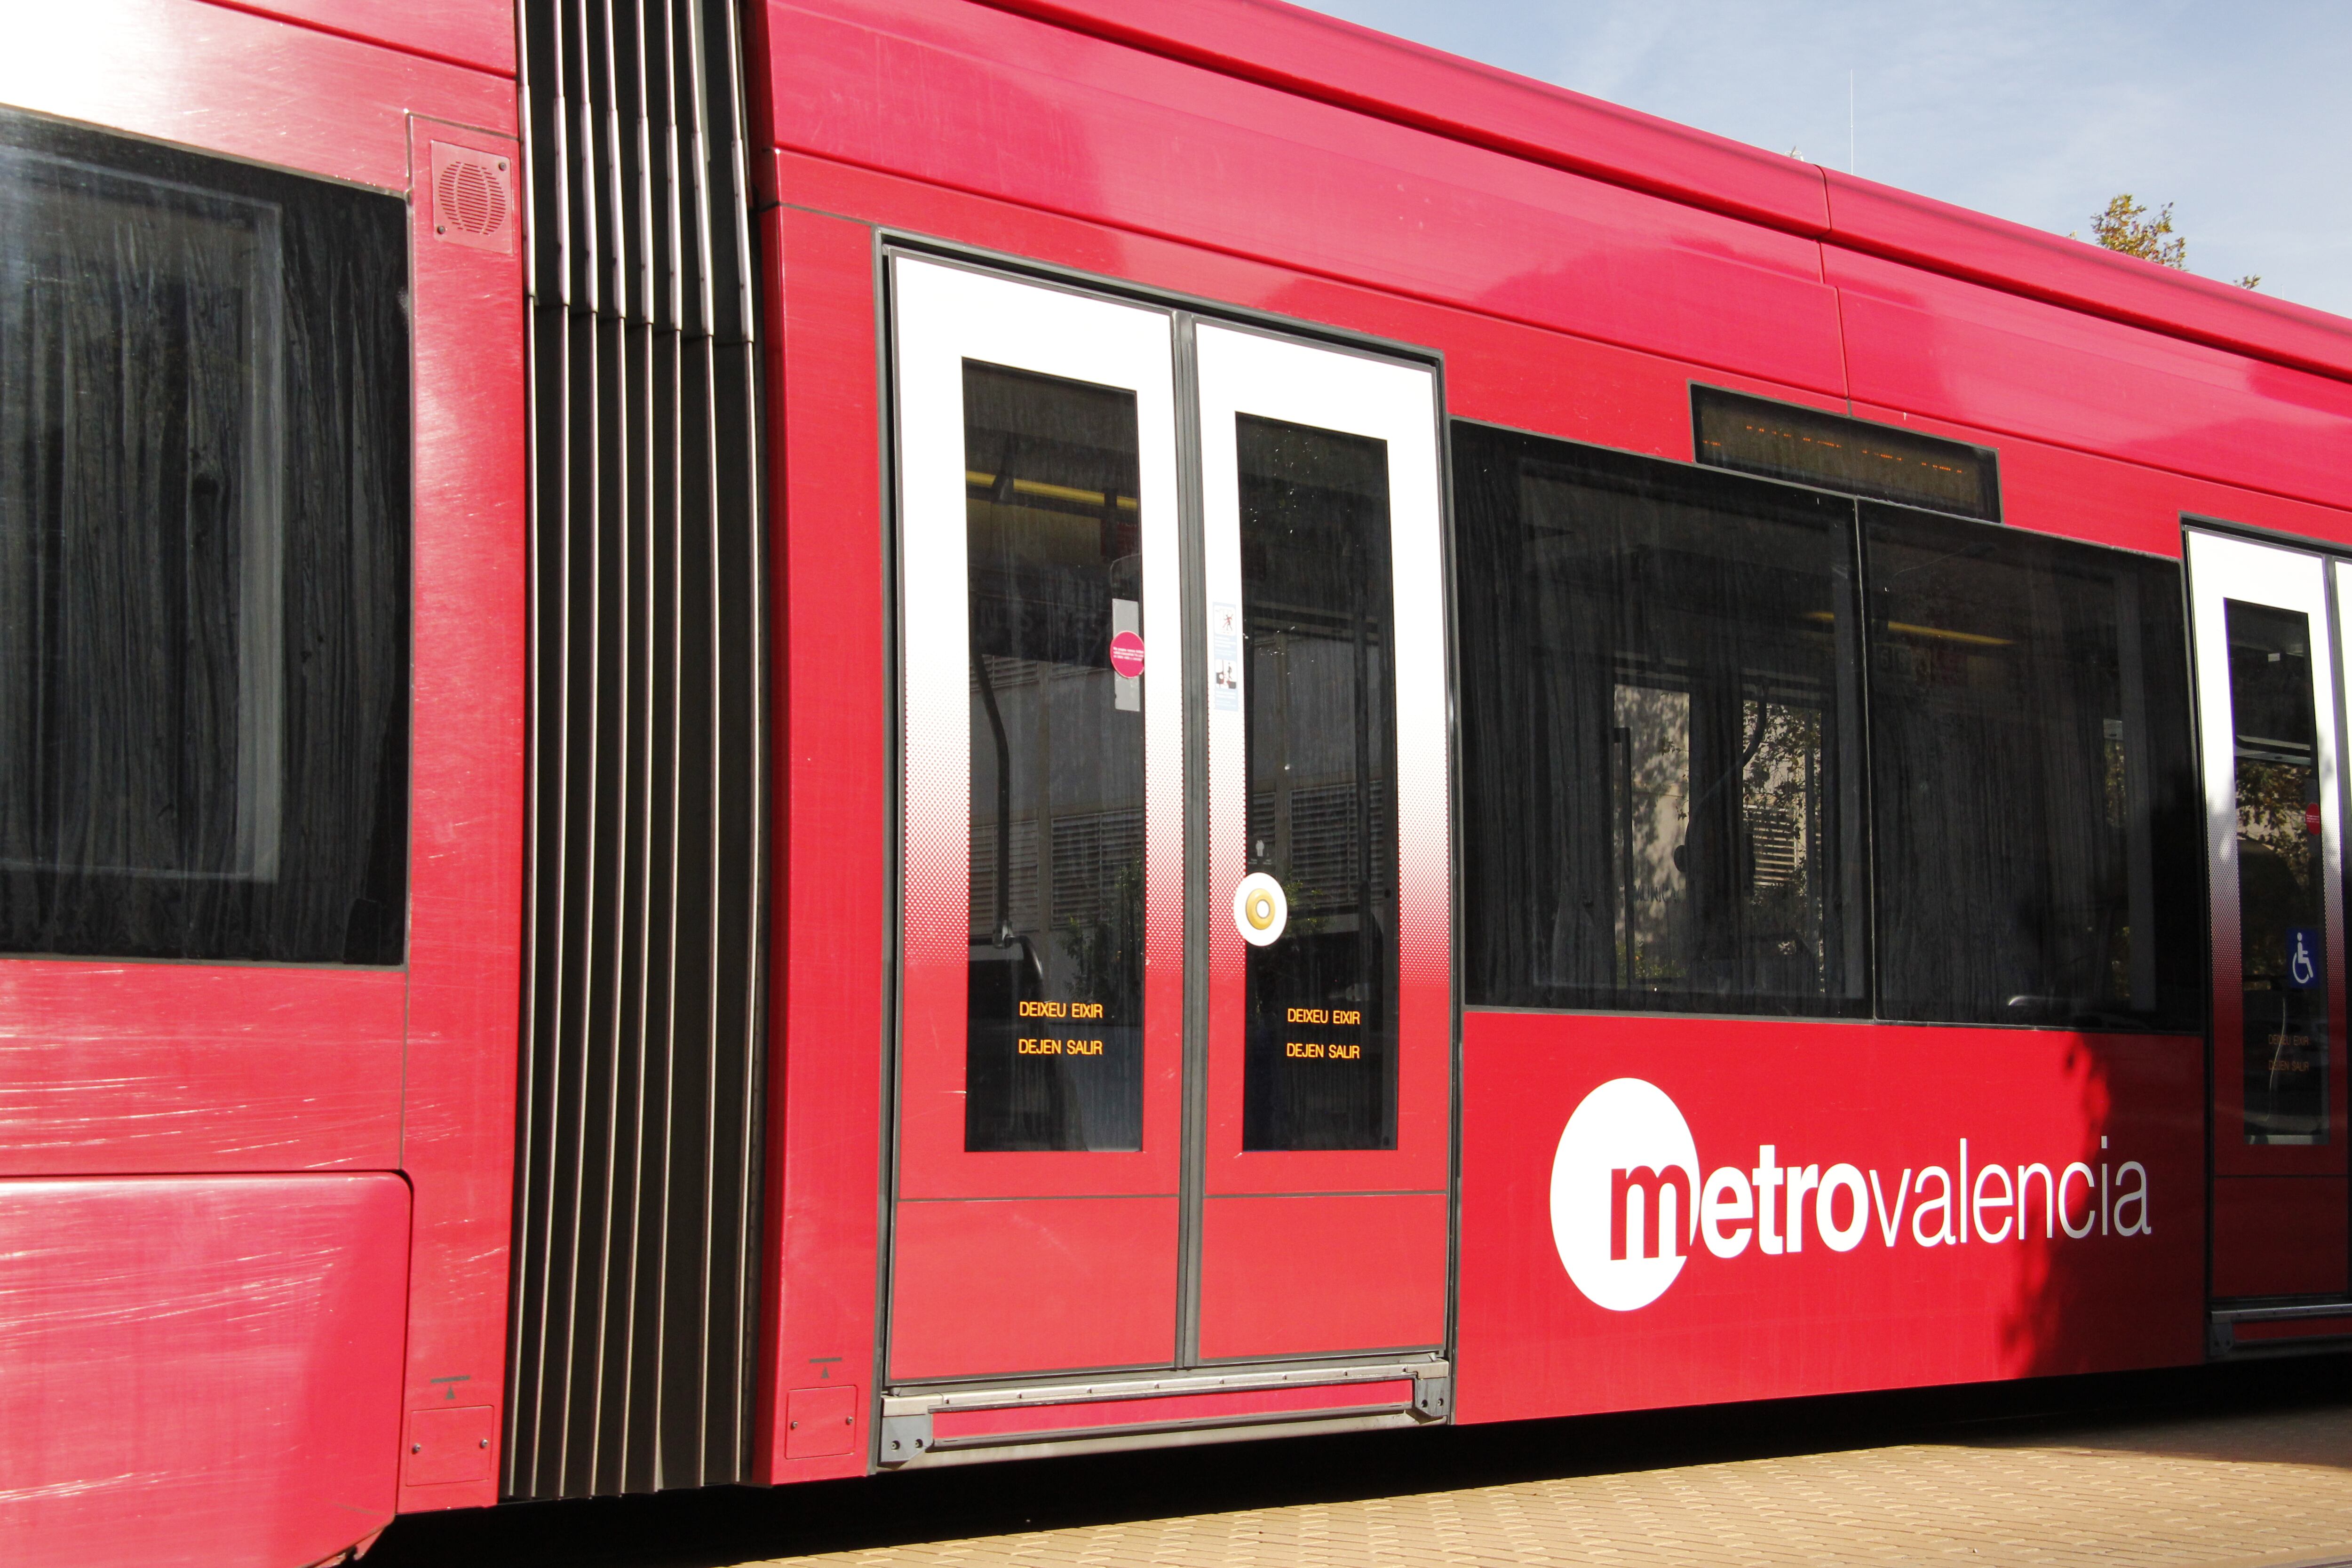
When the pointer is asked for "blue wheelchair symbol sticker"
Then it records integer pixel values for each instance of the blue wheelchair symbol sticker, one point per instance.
(2303, 957)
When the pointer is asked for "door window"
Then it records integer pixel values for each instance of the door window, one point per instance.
(2282, 901)
(1053, 1053)
(1318, 614)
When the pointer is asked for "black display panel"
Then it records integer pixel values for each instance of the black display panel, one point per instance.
(1884, 462)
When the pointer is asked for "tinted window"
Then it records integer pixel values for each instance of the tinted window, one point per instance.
(204, 556)
(1661, 735)
(2282, 899)
(2038, 846)
(1317, 597)
(1055, 1052)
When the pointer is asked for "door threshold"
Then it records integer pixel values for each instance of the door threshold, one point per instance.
(976, 1423)
(2296, 1328)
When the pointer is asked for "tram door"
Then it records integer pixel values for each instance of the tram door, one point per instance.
(2267, 696)
(1173, 1016)
(1323, 1218)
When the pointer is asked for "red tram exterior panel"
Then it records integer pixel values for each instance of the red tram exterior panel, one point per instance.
(1641, 1211)
(1037, 162)
(1915, 1263)
(1580, 296)
(266, 1093)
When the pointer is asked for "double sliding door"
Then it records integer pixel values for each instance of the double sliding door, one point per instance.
(1175, 1012)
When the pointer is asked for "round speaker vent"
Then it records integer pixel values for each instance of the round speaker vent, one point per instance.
(470, 199)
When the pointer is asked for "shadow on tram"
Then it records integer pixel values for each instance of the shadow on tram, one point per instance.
(2068, 1255)
(2181, 1412)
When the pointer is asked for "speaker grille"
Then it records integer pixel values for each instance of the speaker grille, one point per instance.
(472, 200)
(470, 204)
(636, 1233)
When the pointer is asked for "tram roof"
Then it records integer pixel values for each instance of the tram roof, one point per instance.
(1371, 72)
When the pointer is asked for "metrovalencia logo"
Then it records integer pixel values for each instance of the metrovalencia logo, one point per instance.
(1629, 1205)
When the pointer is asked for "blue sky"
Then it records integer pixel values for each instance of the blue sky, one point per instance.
(2239, 115)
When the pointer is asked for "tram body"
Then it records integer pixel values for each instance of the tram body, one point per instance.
(752, 744)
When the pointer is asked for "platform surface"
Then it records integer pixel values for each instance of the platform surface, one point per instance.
(2234, 1491)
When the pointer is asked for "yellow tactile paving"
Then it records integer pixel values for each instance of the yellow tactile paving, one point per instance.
(2243, 1491)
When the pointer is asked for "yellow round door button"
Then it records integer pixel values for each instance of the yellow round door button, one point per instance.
(1260, 910)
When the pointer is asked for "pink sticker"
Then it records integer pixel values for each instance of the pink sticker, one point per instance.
(1127, 654)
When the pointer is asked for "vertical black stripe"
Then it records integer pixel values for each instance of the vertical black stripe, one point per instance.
(638, 1132)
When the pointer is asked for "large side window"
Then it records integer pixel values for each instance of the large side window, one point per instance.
(1661, 736)
(204, 556)
(1673, 800)
(2033, 797)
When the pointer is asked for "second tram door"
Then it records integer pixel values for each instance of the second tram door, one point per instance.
(1174, 1016)
(1323, 1209)
(2267, 695)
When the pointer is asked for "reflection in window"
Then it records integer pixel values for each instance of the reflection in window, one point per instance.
(2036, 830)
(204, 536)
(1055, 1050)
(1319, 1071)
(1661, 736)
(2282, 901)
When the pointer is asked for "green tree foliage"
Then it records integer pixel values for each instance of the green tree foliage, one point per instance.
(2127, 227)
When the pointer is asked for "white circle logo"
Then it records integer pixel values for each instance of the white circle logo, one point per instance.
(1260, 912)
(1624, 1194)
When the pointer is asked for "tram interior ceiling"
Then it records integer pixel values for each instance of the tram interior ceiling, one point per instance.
(1733, 746)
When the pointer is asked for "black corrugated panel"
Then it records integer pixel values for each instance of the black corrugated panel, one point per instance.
(636, 1222)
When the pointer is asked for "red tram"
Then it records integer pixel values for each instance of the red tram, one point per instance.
(752, 741)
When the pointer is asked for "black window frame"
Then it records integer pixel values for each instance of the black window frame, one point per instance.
(337, 893)
(2191, 1020)
(1839, 998)
(2157, 764)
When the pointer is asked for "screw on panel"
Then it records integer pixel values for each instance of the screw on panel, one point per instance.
(904, 1438)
